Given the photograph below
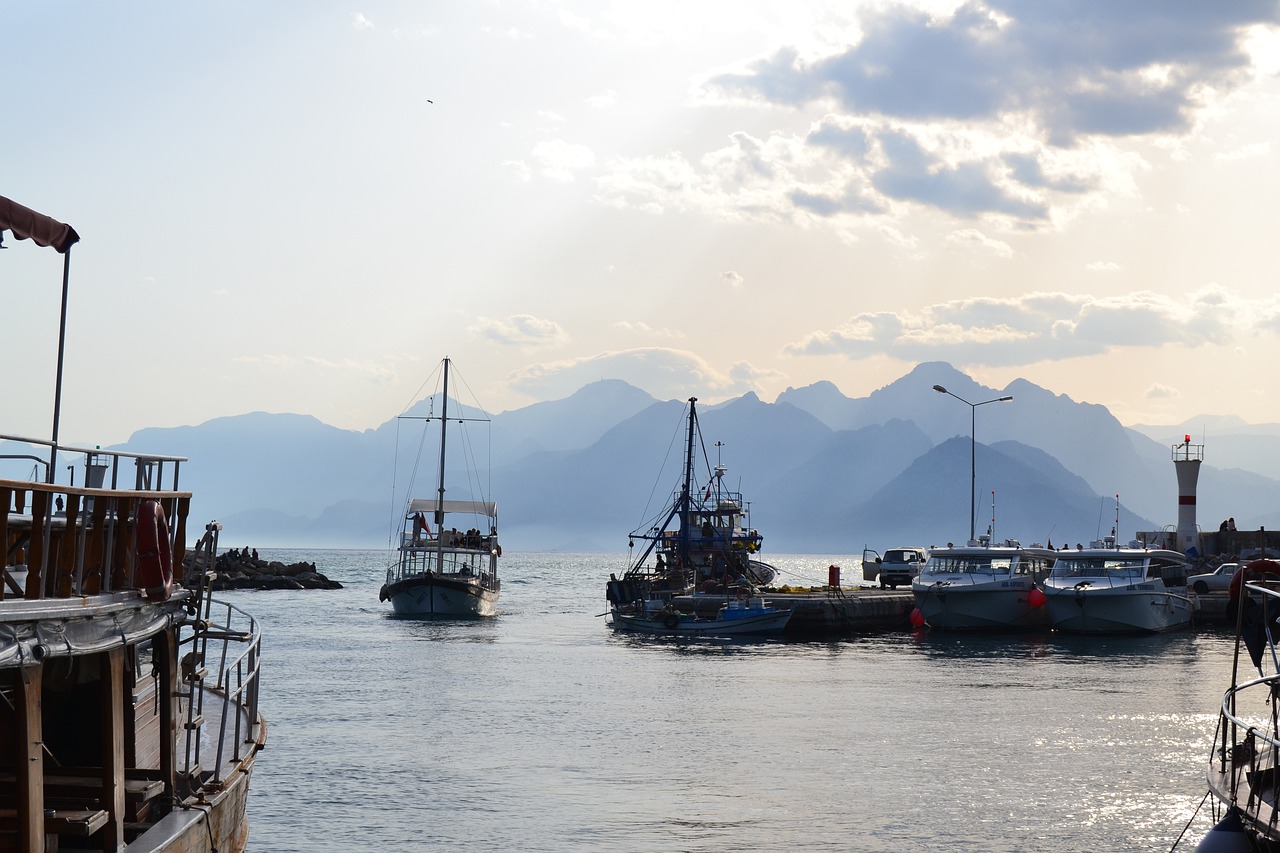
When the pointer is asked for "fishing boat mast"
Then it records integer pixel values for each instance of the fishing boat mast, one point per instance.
(682, 507)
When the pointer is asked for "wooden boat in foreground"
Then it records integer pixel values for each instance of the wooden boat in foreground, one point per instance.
(128, 705)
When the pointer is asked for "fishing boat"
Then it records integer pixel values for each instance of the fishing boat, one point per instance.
(983, 586)
(447, 550)
(711, 550)
(1244, 764)
(734, 619)
(1107, 588)
(128, 695)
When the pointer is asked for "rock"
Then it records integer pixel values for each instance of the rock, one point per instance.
(234, 571)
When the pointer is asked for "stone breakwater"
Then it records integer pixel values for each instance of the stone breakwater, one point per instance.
(235, 571)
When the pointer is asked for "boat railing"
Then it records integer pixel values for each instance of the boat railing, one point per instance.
(80, 540)
(1244, 744)
(224, 660)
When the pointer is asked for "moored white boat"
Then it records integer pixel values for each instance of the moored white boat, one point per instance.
(441, 570)
(1110, 589)
(983, 586)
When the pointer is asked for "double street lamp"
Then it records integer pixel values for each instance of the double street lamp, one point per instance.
(973, 474)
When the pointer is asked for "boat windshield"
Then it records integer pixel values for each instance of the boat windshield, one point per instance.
(976, 564)
(1100, 567)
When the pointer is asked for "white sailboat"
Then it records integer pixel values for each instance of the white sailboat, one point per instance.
(448, 550)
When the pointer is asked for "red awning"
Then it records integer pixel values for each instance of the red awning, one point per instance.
(26, 224)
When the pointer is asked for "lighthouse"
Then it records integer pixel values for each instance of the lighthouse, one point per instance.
(1186, 461)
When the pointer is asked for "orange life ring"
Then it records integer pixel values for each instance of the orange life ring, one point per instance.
(155, 557)
(1256, 570)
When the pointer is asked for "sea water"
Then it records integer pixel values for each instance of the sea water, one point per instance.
(541, 729)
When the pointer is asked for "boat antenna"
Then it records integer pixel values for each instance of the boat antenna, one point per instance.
(991, 531)
(1115, 531)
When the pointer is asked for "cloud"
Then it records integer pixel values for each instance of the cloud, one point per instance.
(972, 238)
(560, 160)
(603, 101)
(646, 330)
(665, 373)
(360, 22)
(1160, 391)
(1015, 112)
(731, 278)
(522, 330)
(1071, 69)
(373, 372)
(1045, 327)
(1102, 266)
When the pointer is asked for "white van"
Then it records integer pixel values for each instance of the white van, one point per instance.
(900, 565)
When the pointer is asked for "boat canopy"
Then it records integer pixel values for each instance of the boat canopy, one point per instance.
(26, 224)
(486, 508)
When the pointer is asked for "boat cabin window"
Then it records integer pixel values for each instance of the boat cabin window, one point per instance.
(1099, 567)
(976, 564)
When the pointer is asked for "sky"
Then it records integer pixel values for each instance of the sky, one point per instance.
(304, 206)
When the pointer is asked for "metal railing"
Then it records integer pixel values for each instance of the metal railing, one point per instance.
(224, 661)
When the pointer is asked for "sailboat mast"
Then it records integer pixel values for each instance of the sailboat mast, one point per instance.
(444, 429)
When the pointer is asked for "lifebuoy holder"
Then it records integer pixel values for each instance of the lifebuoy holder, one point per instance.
(155, 555)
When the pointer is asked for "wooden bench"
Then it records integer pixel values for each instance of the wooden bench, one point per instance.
(60, 821)
(78, 793)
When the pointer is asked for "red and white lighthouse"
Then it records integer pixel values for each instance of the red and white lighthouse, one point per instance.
(1186, 461)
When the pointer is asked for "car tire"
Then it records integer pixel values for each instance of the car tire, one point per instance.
(1200, 587)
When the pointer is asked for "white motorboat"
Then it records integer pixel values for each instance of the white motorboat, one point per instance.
(983, 586)
(1110, 589)
(442, 570)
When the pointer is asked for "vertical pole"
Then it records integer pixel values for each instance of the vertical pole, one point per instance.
(113, 723)
(973, 470)
(30, 756)
(57, 388)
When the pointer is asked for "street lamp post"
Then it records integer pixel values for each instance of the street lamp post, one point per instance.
(973, 426)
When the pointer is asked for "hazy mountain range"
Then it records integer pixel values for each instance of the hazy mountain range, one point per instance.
(824, 473)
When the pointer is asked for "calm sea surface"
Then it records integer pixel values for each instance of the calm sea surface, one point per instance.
(542, 730)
